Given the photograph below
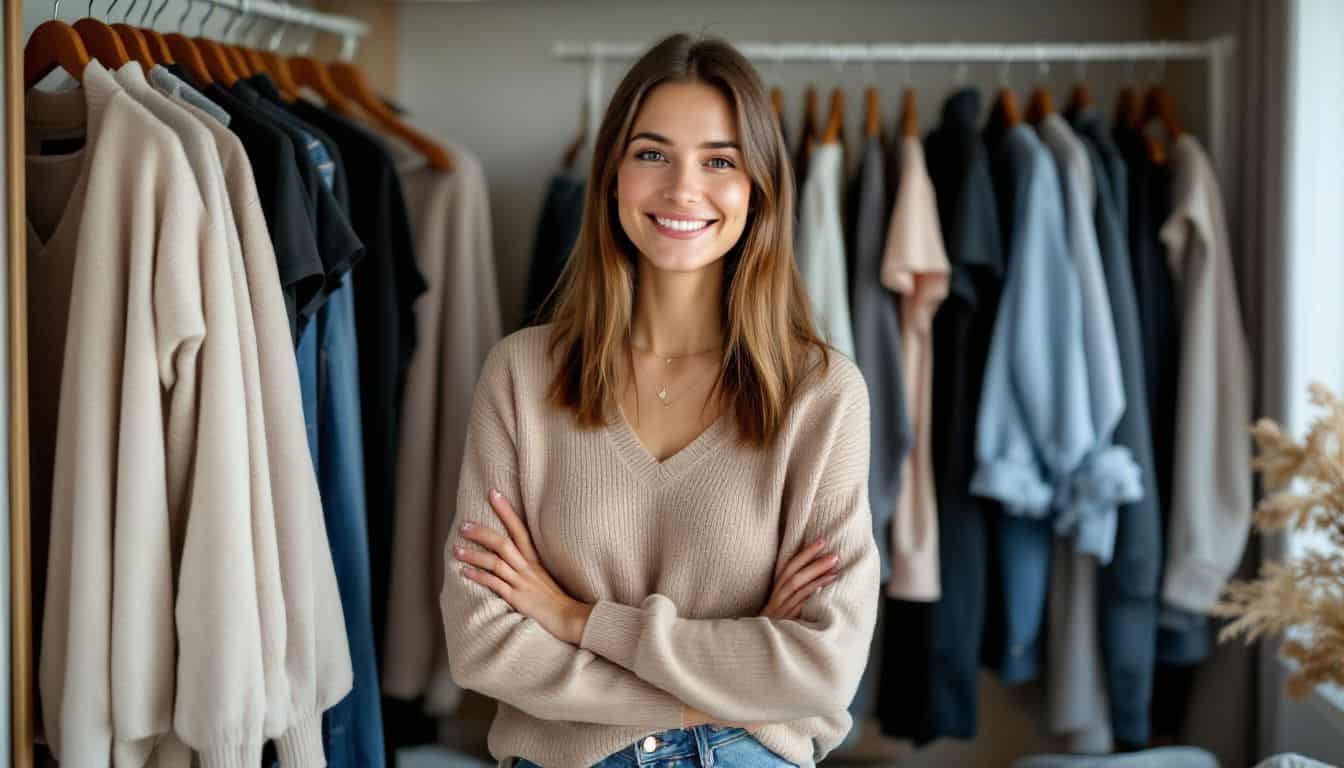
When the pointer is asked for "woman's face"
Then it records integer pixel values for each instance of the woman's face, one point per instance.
(681, 188)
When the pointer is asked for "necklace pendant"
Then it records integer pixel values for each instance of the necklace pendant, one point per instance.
(662, 395)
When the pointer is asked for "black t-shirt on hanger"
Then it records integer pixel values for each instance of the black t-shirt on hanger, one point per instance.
(387, 283)
(338, 247)
(334, 230)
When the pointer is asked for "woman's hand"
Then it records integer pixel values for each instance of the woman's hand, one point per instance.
(511, 569)
(804, 574)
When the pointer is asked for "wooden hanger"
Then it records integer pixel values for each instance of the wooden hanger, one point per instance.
(352, 83)
(809, 137)
(278, 67)
(1079, 99)
(1039, 105)
(872, 114)
(311, 73)
(1005, 105)
(237, 60)
(184, 50)
(255, 62)
(135, 44)
(909, 116)
(777, 101)
(217, 61)
(157, 45)
(53, 44)
(835, 122)
(102, 42)
(1127, 108)
(1157, 105)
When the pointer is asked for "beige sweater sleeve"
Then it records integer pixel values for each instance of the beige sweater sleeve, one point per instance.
(316, 650)
(499, 652)
(1211, 483)
(759, 669)
(270, 603)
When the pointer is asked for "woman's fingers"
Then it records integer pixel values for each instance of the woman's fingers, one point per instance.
(793, 608)
(493, 582)
(486, 561)
(811, 572)
(799, 559)
(513, 524)
(495, 541)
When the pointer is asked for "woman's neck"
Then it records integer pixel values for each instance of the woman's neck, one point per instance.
(678, 313)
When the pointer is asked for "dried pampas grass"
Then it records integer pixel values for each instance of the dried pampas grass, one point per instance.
(1306, 594)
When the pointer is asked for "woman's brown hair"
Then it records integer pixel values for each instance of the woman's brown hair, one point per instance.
(769, 330)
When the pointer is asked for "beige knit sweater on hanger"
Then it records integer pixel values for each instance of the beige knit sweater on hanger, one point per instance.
(678, 557)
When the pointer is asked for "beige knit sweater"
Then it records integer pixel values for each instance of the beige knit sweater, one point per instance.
(678, 557)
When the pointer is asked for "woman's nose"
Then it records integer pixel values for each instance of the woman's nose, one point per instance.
(684, 185)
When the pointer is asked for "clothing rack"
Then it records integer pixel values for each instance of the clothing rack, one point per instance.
(350, 30)
(1215, 52)
(18, 739)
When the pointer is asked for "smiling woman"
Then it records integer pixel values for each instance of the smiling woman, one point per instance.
(587, 539)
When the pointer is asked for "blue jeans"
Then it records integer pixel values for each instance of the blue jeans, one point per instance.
(702, 746)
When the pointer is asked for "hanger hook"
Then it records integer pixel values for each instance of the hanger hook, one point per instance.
(1003, 71)
(961, 72)
(200, 26)
(56, 10)
(226, 34)
(108, 16)
(1082, 67)
(869, 71)
(125, 17)
(1043, 63)
(249, 23)
(185, 12)
(149, 8)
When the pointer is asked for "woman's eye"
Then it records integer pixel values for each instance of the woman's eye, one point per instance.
(640, 155)
(728, 164)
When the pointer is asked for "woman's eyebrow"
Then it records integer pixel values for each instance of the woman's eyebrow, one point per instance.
(661, 139)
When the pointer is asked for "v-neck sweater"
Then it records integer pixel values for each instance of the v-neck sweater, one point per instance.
(677, 557)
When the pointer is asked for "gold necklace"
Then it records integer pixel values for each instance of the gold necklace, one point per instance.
(663, 395)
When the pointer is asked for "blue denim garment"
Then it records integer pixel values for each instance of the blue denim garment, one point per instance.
(1108, 476)
(354, 726)
(702, 746)
(1034, 425)
(329, 381)
(1130, 582)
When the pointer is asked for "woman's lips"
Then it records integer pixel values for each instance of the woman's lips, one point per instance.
(680, 234)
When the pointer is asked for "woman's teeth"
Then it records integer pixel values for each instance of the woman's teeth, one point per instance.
(681, 225)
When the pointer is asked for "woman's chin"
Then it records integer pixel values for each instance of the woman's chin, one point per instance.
(680, 262)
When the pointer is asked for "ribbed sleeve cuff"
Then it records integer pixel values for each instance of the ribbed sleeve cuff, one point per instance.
(232, 756)
(301, 745)
(1193, 585)
(613, 632)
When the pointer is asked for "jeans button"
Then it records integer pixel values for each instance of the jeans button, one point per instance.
(650, 744)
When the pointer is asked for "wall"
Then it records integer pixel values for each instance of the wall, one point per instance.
(483, 73)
